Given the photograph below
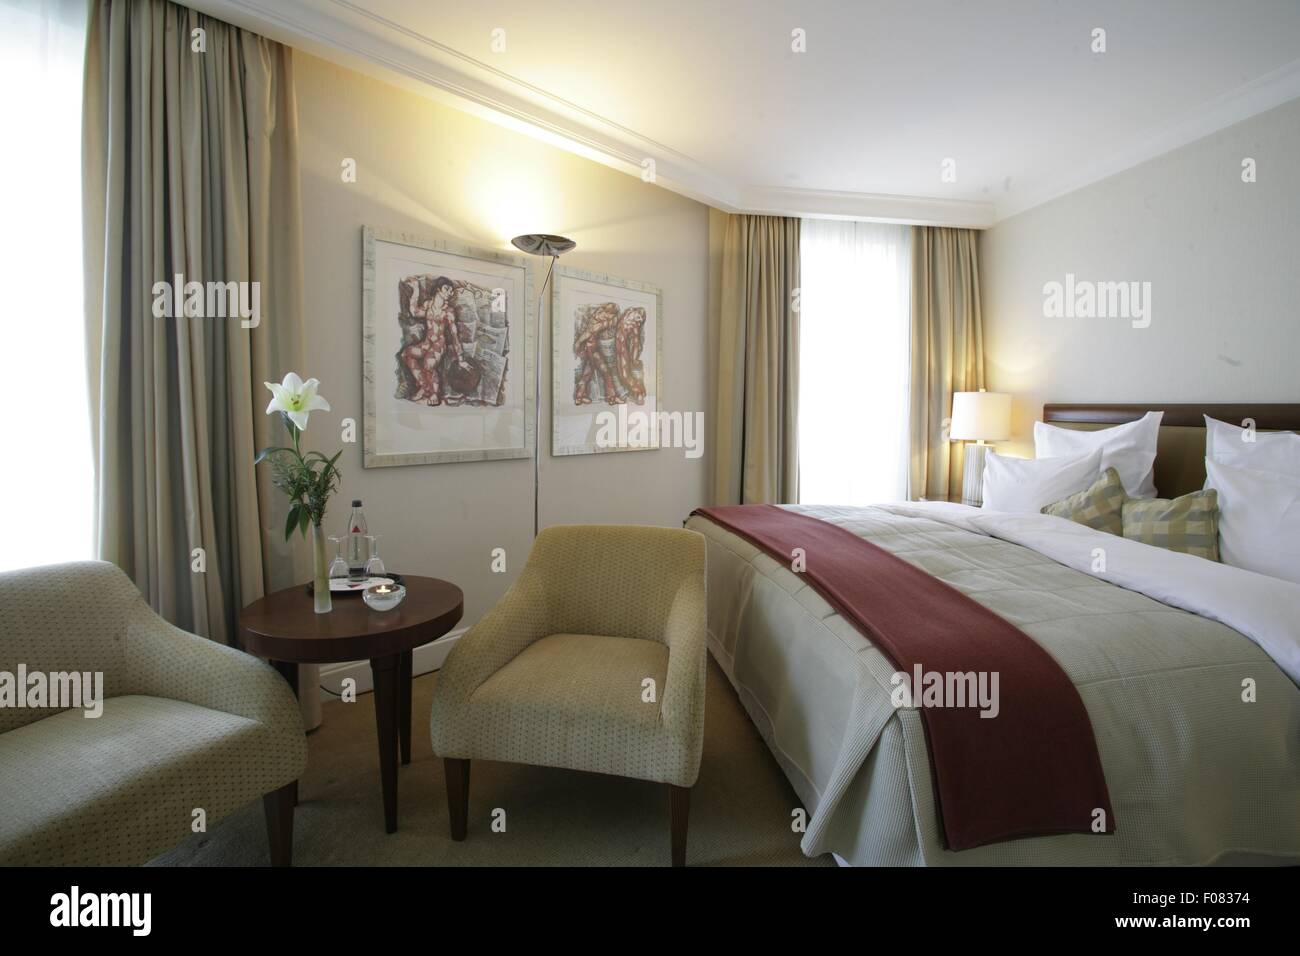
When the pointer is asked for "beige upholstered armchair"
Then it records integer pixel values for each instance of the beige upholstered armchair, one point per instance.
(594, 660)
(186, 725)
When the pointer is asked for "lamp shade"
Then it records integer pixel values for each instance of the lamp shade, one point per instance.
(980, 416)
(542, 244)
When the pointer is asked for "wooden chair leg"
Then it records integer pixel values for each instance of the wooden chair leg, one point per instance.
(457, 774)
(679, 809)
(278, 805)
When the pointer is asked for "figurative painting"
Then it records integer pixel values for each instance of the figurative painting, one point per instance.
(449, 352)
(455, 342)
(606, 364)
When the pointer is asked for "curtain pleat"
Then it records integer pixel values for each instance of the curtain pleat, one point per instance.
(947, 351)
(190, 167)
(754, 341)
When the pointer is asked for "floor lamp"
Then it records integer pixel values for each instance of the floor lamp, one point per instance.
(540, 244)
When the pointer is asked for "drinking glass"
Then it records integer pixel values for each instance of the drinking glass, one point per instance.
(339, 566)
(375, 566)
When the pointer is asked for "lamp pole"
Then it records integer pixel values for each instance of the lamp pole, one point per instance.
(540, 244)
(537, 403)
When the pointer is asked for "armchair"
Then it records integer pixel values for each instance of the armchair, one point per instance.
(593, 660)
(187, 724)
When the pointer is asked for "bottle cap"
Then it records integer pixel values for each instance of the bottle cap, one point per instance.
(356, 502)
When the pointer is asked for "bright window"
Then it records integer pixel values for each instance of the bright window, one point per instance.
(855, 290)
(46, 483)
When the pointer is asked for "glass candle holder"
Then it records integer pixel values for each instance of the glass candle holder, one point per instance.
(383, 597)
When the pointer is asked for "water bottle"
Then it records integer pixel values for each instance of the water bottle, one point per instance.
(357, 543)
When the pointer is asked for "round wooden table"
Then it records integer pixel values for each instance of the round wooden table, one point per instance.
(284, 628)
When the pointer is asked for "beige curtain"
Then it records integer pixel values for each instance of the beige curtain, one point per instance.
(190, 167)
(947, 352)
(754, 351)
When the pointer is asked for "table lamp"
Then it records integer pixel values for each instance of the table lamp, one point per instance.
(979, 417)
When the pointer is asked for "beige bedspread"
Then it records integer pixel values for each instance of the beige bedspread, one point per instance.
(1196, 774)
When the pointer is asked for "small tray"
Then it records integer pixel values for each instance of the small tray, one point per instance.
(351, 590)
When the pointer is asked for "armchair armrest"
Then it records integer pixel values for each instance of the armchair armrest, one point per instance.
(165, 661)
(685, 631)
(519, 619)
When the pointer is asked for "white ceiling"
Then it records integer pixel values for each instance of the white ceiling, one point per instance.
(860, 124)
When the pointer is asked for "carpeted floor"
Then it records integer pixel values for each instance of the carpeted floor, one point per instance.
(740, 808)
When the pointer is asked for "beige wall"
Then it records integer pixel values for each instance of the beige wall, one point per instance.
(1223, 258)
(432, 170)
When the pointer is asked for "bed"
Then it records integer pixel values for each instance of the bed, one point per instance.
(1159, 647)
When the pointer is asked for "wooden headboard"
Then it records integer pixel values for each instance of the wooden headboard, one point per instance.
(1180, 453)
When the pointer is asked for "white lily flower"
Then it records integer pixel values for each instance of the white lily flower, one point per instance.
(296, 398)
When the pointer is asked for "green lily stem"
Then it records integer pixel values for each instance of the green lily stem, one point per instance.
(296, 432)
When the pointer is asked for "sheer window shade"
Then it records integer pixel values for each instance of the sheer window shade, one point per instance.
(853, 379)
(46, 484)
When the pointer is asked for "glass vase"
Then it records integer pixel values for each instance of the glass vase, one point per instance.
(320, 575)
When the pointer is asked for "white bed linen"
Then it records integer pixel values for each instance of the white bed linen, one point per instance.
(1259, 519)
(1031, 484)
(1130, 449)
(1264, 609)
(1196, 775)
(1277, 452)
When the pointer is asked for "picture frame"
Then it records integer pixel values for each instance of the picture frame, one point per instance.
(606, 363)
(449, 351)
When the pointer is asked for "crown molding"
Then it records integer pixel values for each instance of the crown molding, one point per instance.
(833, 204)
(344, 32)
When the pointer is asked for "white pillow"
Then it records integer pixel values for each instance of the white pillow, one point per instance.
(1030, 484)
(1277, 452)
(1259, 519)
(1129, 449)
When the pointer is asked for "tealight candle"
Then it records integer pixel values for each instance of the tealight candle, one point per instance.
(383, 597)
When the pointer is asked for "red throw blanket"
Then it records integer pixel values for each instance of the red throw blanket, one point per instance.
(1031, 770)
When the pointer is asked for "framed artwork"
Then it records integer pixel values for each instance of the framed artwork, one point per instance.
(449, 356)
(606, 374)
